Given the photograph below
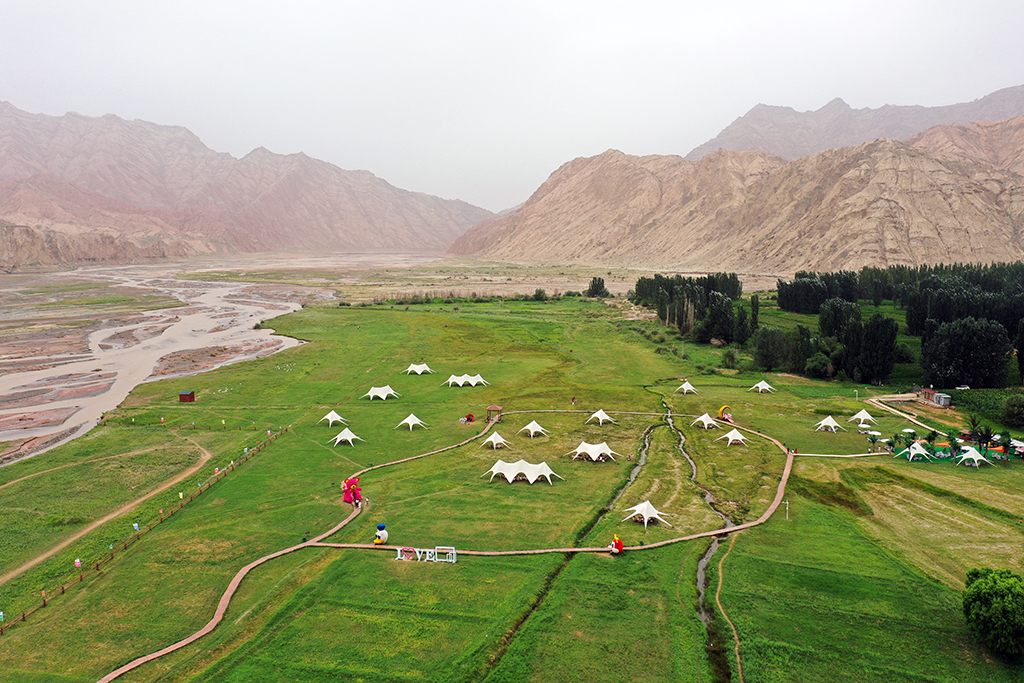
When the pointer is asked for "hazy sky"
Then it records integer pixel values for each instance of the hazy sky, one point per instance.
(481, 101)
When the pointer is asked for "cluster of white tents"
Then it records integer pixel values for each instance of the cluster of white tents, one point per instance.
(760, 387)
(521, 469)
(463, 380)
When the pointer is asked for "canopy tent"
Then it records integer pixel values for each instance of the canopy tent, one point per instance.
(646, 511)
(706, 421)
(534, 428)
(687, 388)
(521, 470)
(829, 424)
(972, 454)
(593, 451)
(380, 392)
(347, 435)
(418, 368)
(862, 416)
(496, 441)
(601, 417)
(462, 380)
(331, 417)
(412, 421)
(915, 452)
(762, 387)
(733, 435)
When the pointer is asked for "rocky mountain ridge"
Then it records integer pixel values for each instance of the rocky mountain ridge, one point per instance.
(878, 203)
(790, 134)
(77, 180)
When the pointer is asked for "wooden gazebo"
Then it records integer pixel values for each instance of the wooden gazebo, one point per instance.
(496, 409)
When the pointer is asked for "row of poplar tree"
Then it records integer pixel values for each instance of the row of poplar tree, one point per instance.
(965, 315)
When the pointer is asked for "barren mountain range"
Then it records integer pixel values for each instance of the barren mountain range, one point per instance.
(76, 188)
(80, 189)
(790, 134)
(951, 197)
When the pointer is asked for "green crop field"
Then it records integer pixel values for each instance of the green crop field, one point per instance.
(861, 583)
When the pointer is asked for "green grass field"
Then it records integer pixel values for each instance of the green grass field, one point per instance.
(861, 584)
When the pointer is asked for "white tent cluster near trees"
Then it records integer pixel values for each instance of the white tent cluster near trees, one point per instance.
(645, 512)
(971, 453)
(521, 470)
(915, 452)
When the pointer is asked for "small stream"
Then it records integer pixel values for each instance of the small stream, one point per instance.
(702, 565)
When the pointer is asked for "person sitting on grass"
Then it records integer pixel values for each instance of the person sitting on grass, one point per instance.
(381, 537)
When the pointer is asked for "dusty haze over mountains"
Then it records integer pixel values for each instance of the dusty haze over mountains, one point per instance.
(790, 134)
(78, 189)
(75, 188)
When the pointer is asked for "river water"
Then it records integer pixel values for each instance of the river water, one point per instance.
(219, 314)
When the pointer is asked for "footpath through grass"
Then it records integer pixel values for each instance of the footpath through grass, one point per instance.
(329, 614)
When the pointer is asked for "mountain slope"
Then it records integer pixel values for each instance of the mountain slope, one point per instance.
(171, 189)
(791, 134)
(1000, 143)
(878, 203)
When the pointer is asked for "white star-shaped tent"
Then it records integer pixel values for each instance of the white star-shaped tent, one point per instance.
(762, 387)
(972, 454)
(496, 441)
(645, 510)
(915, 452)
(601, 417)
(380, 392)
(706, 421)
(734, 435)
(419, 369)
(528, 470)
(534, 428)
(593, 451)
(412, 421)
(862, 416)
(331, 418)
(687, 388)
(347, 435)
(828, 424)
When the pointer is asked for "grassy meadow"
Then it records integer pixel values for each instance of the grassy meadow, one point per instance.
(861, 583)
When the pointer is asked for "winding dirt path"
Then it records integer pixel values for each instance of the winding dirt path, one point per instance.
(225, 599)
(204, 457)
